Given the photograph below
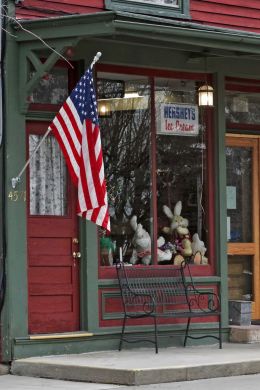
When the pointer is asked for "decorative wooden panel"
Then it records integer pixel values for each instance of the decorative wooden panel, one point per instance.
(111, 311)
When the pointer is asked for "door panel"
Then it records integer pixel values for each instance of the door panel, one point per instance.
(243, 170)
(53, 273)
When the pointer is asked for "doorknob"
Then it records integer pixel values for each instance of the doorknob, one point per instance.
(75, 240)
(76, 255)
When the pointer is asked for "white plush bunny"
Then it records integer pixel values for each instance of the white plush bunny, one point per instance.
(142, 245)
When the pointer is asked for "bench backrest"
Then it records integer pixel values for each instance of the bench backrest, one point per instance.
(167, 286)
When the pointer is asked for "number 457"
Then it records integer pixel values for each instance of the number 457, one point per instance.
(14, 196)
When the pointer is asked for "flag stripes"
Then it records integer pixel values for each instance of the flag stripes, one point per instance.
(77, 131)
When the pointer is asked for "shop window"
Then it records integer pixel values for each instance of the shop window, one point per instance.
(180, 169)
(124, 111)
(165, 8)
(242, 104)
(155, 153)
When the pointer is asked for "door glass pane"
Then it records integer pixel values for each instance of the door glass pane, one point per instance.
(48, 178)
(52, 88)
(240, 277)
(239, 194)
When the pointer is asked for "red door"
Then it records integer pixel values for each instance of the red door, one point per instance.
(52, 229)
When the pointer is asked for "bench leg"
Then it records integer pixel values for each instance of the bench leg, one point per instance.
(155, 334)
(186, 332)
(122, 334)
(220, 333)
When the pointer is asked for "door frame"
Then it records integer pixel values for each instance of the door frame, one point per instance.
(39, 128)
(250, 248)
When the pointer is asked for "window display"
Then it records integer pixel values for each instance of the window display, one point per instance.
(156, 180)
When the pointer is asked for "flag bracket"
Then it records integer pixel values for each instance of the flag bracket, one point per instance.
(17, 179)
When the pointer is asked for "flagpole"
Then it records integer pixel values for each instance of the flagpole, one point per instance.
(17, 179)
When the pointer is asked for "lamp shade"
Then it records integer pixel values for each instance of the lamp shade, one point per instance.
(205, 93)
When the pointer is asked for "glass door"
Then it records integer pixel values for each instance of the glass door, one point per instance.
(242, 158)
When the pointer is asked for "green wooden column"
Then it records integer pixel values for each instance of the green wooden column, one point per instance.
(15, 314)
(221, 212)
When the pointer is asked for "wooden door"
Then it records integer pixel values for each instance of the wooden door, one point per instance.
(53, 247)
(243, 171)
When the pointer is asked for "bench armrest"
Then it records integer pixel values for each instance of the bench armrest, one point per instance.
(206, 301)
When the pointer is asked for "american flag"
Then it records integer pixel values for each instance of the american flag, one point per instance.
(77, 131)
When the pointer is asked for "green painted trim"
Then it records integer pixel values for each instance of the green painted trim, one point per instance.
(15, 314)
(179, 11)
(40, 116)
(140, 26)
(197, 280)
(26, 57)
(74, 26)
(186, 35)
(23, 347)
(92, 297)
(220, 193)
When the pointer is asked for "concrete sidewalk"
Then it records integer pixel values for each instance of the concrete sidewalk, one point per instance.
(143, 366)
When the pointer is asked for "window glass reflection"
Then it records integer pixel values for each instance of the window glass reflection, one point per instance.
(124, 112)
(239, 194)
(181, 171)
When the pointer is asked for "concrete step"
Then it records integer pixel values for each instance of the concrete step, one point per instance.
(245, 334)
(143, 366)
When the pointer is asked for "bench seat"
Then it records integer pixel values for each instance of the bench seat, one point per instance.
(165, 292)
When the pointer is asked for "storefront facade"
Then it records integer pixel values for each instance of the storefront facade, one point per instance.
(160, 149)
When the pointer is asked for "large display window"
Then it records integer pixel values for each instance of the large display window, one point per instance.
(156, 152)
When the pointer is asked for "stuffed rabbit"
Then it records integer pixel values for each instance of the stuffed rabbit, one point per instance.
(179, 228)
(142, 245)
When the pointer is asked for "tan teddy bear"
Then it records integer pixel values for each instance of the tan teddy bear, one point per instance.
(179, 229)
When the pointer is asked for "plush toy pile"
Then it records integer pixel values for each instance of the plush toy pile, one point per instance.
(185, 247)
(180, 246)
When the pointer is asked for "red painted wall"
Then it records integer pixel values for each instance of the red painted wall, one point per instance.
(31, 9)
(235, 14)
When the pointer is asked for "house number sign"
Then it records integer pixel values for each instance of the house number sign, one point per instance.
(15, 196)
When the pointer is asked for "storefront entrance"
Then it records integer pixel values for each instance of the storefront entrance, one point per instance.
(53, 246)
(243, 178)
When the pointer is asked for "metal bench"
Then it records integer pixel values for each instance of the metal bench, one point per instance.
(167, 291)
